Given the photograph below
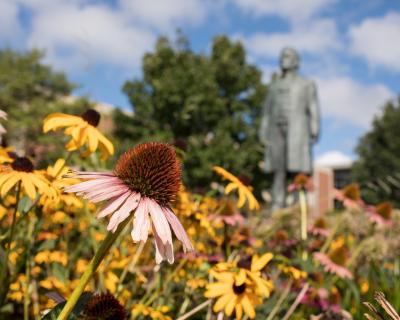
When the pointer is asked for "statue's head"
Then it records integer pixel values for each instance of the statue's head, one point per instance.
(289, 59)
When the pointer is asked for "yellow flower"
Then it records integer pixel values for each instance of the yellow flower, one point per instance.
(248, 271)
(150, 312)
(5, 155)
(295, 273)
(243, 190)
(364, 286)
(47, 256)
(32, 181)
(231, 296)
(82, 130)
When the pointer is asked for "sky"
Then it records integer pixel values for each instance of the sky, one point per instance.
(350, 48)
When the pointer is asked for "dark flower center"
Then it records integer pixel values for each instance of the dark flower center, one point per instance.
(92, 117)
(301, 180)
(384, 210)
(152, 169)
(352, 192)
(246, 180)
(104, 307)
(22, 164)
(281, 235)
(320, 223)
(245, 263)
(239, 289)
(339, 255)
(228, 208)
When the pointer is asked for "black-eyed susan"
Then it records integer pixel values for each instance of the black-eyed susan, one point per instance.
(21, 171)
(233, 295)
(83, 130)
(244, 191)
(248, 269)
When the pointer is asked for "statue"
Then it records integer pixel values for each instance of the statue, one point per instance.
(289, 126)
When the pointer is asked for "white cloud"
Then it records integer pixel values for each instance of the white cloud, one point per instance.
(315, 37)
(9, 24)
(378, 40)
(165, 14)
(293, 10)
(77, 36)
(332, 159)
(344, 99)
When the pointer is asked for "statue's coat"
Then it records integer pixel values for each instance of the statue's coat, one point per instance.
(302, 127)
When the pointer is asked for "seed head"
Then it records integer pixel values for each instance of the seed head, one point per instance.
(152, 169)
(104, 306)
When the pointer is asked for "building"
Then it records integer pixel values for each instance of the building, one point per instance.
(331, 171)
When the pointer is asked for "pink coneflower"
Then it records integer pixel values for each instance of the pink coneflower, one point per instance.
(335, 261)
(382, 214)
(228, 214)
(319, 228)
(301, 182)
(350, 196)
(146, 179)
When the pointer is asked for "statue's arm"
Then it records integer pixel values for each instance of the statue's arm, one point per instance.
(262, 132)
(314, 112)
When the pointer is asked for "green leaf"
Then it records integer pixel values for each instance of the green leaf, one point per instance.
(24, 205)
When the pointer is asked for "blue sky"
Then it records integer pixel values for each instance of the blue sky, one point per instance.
(350, 48)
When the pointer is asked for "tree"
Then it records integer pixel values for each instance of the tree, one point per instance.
(30, 90)
(207, 105)
(378, 166)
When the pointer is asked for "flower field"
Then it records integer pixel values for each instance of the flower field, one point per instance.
(91, 238)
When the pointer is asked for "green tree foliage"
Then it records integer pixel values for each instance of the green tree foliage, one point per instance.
(208, 105)
(30, 90)
(378, 166)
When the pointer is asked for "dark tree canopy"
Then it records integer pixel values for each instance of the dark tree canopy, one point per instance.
(378, 166)
(30, 90)
(207, 105)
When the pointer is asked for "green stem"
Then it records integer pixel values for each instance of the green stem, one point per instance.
(303, 211)
(92, 267)
(331, 235)
(195, 310)
(27, 294)
(281, 299)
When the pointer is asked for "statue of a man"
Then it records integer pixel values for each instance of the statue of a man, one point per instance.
(290, 125)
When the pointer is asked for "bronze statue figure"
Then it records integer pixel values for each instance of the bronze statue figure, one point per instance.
(289, 126)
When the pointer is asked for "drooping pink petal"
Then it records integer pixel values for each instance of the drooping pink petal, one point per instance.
(163, 251)
(113, 205)
(106, 196)
(141, 223)
(89, 174)
(160, 222)
(88, 185)
(178, 229)
(105, 188)
(123, 212)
